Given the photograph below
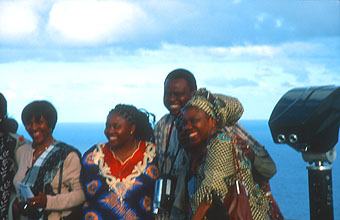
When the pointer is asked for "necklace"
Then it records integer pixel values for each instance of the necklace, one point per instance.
(124, 164)
(122, 168)
(37, 152)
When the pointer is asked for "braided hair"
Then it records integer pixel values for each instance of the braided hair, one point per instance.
(139, 118)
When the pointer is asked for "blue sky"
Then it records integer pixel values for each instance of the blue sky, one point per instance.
(86, 56)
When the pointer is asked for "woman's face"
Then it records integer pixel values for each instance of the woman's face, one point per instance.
(38, 130)
(118, 130)
(197, 127)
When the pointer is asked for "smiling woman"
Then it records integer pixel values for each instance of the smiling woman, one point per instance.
(119, 176)
(47, 168)
(211, 176)
(252, 50)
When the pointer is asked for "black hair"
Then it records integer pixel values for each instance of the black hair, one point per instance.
(183, 74)
(139, 118)
(6, 124)
(37, 109)
(3, 106)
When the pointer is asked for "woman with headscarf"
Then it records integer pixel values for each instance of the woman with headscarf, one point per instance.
(48, 169)
(119, 176)
(9, 142)
(212, 173)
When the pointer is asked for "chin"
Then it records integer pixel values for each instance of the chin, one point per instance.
(191, 147)
(175, 113)
(111, 145)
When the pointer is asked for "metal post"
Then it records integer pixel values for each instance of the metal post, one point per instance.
(320, 192)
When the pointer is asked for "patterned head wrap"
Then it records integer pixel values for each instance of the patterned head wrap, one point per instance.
(224, 109)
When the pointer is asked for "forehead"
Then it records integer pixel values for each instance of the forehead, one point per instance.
(115, 117)
(193, 112)
(176, 84)
(37, 118)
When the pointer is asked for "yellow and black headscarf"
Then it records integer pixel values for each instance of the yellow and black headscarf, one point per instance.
(216, 174)
(226, 110)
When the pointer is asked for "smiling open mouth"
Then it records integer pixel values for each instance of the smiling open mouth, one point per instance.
(174, 106)
(193, 135)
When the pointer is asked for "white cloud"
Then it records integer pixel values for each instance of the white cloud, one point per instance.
(92, 22)
(17, 21)
(262, 51)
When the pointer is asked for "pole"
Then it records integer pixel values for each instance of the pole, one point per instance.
(320, 192)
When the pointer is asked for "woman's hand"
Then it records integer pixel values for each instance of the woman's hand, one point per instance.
(39, 201)
(201, 210)
(15, 209)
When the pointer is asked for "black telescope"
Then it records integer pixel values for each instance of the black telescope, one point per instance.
(307, 119)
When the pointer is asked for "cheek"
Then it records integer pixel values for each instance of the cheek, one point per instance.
(205, 130)
(166, 101)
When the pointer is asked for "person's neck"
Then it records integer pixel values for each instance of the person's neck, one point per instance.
(43, 145)
(197, 152)
(125, 151)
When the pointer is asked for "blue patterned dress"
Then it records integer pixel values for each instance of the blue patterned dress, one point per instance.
(116, 190)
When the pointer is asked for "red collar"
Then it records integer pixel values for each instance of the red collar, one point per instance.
(122, 170)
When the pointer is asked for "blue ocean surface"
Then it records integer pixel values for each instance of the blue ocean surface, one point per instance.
(289, 185)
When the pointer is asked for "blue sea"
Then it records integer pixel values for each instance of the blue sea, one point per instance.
(289, 185)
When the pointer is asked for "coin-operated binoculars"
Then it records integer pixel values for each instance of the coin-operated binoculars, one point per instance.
(308, 119)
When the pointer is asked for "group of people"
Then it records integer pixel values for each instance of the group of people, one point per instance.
(196, 144)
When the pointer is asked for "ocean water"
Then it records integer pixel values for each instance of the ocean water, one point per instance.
(289, 185)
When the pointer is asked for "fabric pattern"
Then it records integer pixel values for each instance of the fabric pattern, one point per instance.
(114, 192)
(168, 156)
(58, 205)
(171, 157)
(263, 163)
(226, 110)
(7, 147)
(216, 174)
(49, 167)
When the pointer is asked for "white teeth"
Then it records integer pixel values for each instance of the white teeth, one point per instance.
(36, 133)
(174, 106)
(113, 138)
(192, 134)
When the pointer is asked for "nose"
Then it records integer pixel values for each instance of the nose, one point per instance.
(110, 129)
(34, 126)
(172, 97)
(187, 125)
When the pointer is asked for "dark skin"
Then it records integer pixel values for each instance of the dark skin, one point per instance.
(197, 128)
(176, 94)
(42, 137)
(120, 135)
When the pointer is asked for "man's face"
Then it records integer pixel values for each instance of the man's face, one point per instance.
(176, 94)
